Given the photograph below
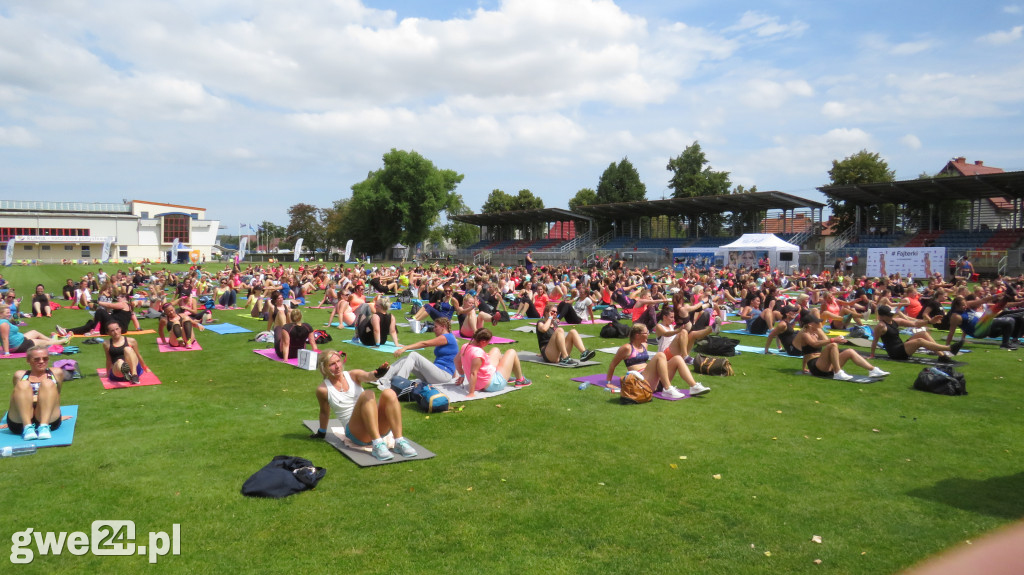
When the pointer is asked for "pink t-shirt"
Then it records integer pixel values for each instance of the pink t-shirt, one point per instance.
(486, 372)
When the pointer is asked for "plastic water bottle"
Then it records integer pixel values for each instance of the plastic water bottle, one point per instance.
(17, 450)
(583, 386)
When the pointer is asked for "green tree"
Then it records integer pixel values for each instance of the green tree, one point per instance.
(458, 233)
(306, 222)
(620, 183)
(497, 201)
(267, 233)
(584, 197)
(692, 177)
(334, 219)
(742, 221)
(400, 202)
(864, 167)
(525, 200)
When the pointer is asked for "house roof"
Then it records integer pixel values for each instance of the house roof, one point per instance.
(960, 166)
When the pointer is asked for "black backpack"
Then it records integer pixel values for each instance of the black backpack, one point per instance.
(718, 345)
(611, 313)
(941, 379)
(614, 330)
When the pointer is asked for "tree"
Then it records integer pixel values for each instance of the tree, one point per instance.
(497, 201)
(400, 202)
(620, 183)
(458, 233)
(584, 197)
(861, 168)
(334, 219)
(692, 177)
(267, 232)
(525, 200)
(744, 220)
(306, 221)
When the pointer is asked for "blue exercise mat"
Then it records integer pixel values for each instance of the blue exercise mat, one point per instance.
(386, 347)
(62, 436)
(225, 328)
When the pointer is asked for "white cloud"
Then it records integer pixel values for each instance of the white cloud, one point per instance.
(911, 141)
(765, 26)
(17, 137)
(909, 48)
(1003, 37)
(812, 154)
(1012, 9)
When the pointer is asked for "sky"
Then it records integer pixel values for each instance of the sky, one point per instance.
(247, 107)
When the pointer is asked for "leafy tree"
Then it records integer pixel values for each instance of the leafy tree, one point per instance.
(334, 219)
(620, 183)
(400, 202)
(525, 200)
(455, 232)
(945, 215)
(267, 232)
(744, 220)
(306, 222)
(584, 197)
(692, 177)
(497, 201)
(861, 168)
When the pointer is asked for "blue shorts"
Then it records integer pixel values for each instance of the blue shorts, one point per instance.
(353, 438)
(498, 382)
(113, 375)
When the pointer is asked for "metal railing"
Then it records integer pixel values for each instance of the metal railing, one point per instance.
(840, 241)
(802, 237)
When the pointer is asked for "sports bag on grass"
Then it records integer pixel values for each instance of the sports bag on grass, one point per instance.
(611, 313)
(718, 345)
(941, 379)
(433, 400)
(707, 365)
(404, 387)
(634, 389)
(283, 476)
(614, 330)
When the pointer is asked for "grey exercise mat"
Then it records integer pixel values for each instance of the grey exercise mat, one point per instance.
(856, 378)
(533, 329)
(918, 360)
(537, 358)
(363, 458)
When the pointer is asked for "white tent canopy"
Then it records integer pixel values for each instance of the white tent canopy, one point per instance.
(751, 247)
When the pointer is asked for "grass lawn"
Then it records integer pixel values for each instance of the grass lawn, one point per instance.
(548, 479)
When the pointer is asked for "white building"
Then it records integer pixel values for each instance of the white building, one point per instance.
(52, 232)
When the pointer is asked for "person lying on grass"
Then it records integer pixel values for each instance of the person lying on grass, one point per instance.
(120, 310)
(440, 371)
(488, 370)
(657, 369)
(822, 357)
(555, 344)
(293, 336)
(35, 402)
(124, 361)
(181, 328)
(366, 420)
(888, 331)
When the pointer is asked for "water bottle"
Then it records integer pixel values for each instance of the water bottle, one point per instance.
(17, 450)
(583, 386)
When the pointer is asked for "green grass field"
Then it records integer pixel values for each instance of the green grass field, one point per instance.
(548, 479)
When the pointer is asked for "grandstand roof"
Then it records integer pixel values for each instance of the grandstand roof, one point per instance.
(973, 187)
(520, 217)
(700, 205)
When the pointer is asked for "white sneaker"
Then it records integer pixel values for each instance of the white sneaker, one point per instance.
(842, 376)
(698, 389)
(875, 372)
(673, 393)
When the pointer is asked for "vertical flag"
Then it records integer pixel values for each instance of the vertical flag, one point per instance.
(242, 244)
(105, 255)
(9, 256)
(174, 250)
(348, 250)
(298, 249)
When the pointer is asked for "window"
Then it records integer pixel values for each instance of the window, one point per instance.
(85, 252)
(145, 215)
(45, 248)
(26, 247)
(176, 226)
(122, 252)
(68, 248)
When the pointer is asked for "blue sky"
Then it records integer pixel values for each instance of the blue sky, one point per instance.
(247, 107)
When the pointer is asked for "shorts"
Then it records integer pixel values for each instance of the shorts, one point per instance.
(816, 371)
(498, 382)
(24, 347)
(353, 438)
(19, 428)
(898, 353)
(139, 370)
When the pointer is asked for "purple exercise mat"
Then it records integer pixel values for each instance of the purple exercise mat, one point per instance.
(598, 380)
(271, 354)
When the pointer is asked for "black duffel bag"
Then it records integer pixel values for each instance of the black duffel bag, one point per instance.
(941, 379)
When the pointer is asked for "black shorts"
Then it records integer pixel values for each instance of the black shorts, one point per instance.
(24, 347)
(19, 428)
(816, 371)
(897, 353)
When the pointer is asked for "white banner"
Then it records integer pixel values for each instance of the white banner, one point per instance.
(242, 245)
(9, 257)
(916, 262)
(348, 250)
(298, 249)
(174, 251)
(105, 254)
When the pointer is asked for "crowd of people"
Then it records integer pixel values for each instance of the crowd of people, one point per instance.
(678, 307)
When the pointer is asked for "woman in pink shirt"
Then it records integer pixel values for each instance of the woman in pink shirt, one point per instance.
(488, 370)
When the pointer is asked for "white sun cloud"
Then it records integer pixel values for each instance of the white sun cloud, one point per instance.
(911, 141)
(1003, 37)
(17, 137)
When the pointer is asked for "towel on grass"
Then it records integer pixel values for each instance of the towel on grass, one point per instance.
(147, 378)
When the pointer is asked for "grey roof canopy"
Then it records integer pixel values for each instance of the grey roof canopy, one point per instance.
(675, 206)
(976, 187)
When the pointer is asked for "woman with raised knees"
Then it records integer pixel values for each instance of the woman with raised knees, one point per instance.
(488, 370)
(41, 302)
(367, 421)
(656, 369)
(12, 340)
(124, 361)
(35, 402)
(822, 357)
(555, 343)
(440, 371)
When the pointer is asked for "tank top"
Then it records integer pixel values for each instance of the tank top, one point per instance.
(35, 384)
(637, 356)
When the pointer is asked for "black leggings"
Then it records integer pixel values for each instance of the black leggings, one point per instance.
(568, 313)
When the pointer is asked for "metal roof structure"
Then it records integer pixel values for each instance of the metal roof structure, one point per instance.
(521, 217)
(931, 190)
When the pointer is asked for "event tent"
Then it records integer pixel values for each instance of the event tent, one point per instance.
(751, 247)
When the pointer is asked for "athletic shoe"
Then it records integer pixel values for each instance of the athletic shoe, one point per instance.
(380, 451)
(43, 431)
(717, 328)
(132, 377)
(496, 318)
(521, 382)
(673, 393)
(587, 355)
(842, 376)
(688, 360)
(567, 361)
(1009, 346)
(945, 359)
(60, 330)
(404, 448)
(955, 348)
(29, 433)
(876, 372)
(698, 388)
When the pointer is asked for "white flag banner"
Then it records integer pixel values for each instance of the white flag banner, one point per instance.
(9, 256)
(298, 249)
(105, 255)
(348, 250)
(242, 245)
(174, 251)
